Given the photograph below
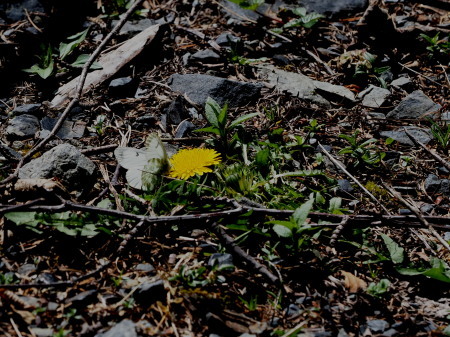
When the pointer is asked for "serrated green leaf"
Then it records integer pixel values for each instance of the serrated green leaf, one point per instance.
(262, 158)
(395, 251)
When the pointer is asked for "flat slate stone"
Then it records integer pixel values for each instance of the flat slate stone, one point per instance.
(199, 87)
(304, 87)
(125, 328)
(26, 109)
(374, 97)
(334, 7)
(415, 105)
(422, 135)
(22, 126)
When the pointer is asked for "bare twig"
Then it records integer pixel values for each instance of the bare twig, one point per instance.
(433, 154)
(417, 73)
(418, 214)
(343, 169)
(229, 241)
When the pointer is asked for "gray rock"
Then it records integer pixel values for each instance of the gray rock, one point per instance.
(304, 87)
(42, 332)
(206, 56)
(221, 261)
(150, 292)
(345, 185)
(293, 310)
(227, 40)
(334, 7)
(22, 126)
(65, 162)
(134, 27)
(176, 112)
(377, 325)
(422, 135)
(404, 83)
(374, 97)
(15, 11)
(30, 109)
(184, 128)
(238, 13)
(68, 130)
(122, 87)
(145, 267)
(82, 298)
(428, 208)
(435, 185)
(415, 105)
(9, 153)
(199, 87)
(125, 328)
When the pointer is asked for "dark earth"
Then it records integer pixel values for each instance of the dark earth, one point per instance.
(349, 130)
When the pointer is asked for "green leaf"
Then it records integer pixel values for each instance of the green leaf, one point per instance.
(22, 218)
(248, 4)
(396, 252)
(282, 231)
(81, 61)
(335, 205)
(380, 288)
(42, 72)
(302, 173)
(66, 48)
(301, 214)
(262, 158)
(439, 271)
(222, 117)
(242, 119)
(212, 111)
(211, 129)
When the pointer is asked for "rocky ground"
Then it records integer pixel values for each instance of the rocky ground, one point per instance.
(328, 215)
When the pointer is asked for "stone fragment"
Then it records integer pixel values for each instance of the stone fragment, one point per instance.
(334, 7)
(221, 261)
(125, 328)
(30, 109)
(15, 10)
(134, 27)
(150, 292)
(377, 325)
(184, 129)
(304, 87)
(415, 105)
(82, 298)
(199, 87)
(122, 87)
(145, 267)
(176, 112)
(65, 162)
(404, 83)
(206, 56)
(68, 130)
(345, 185)
(9, 153)
(422, 135)
(22, 126)
(374, 97)
(435, 185)
(227, 40)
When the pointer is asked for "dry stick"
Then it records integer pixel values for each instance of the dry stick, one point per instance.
(417, 73)
(229, 241)
(78, 93)
(338, 164)
(433, 154)
(418, 214)
(319, 60)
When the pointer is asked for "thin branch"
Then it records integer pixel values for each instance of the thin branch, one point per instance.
(343, 169)
(418, 214)
(229, 242)
(433, 154)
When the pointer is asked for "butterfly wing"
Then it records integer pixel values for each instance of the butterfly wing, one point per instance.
(155, 148)
(129, 157)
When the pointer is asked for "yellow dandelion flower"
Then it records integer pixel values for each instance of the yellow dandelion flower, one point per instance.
(189, 162)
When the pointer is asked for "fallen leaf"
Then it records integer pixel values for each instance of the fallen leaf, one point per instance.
(352, 282)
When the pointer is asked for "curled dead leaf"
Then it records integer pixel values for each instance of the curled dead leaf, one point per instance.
(352, 282)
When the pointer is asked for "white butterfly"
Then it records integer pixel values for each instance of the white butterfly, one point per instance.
(145, 166)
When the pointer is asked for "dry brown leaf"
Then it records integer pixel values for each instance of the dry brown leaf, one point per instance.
(111, 63)
(352, 282)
